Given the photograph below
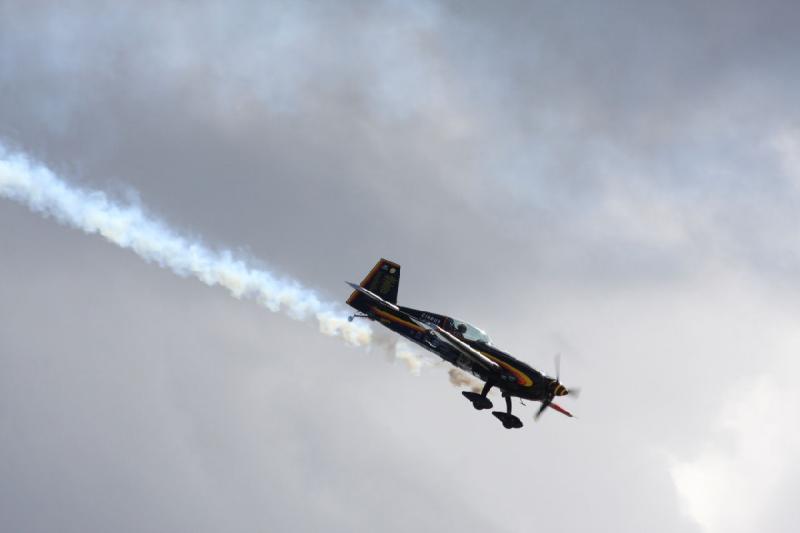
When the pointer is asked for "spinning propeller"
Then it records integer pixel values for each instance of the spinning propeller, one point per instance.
(557, 389)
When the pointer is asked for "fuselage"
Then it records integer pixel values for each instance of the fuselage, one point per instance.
(514, 377)
(457, 342)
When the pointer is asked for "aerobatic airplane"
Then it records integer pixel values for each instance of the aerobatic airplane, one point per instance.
(458, 343)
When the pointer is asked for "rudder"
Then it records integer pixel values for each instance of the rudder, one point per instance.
(383, 280)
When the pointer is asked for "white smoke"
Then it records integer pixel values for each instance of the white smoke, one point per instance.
(127, 226)
(411, 356)
(462, 380)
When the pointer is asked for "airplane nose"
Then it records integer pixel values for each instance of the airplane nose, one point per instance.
(561, 390)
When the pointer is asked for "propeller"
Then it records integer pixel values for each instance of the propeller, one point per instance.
(558, 366)
(548, 401)
(545, 405)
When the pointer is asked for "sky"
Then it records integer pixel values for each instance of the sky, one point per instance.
(617, 182)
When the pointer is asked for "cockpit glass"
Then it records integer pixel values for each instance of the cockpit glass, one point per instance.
(471, 333)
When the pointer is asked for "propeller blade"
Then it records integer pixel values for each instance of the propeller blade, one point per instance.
(541, 409)
(558, 367)
(557, 387)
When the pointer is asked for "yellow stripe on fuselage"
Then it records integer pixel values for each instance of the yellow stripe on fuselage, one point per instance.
(522, 377)
(392, 318)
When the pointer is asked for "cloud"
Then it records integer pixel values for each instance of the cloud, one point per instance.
(753, 452)
(612, 182)
(786, 144)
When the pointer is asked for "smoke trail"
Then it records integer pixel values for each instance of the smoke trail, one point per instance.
(36, 187)
(408, 355)
(460, 379)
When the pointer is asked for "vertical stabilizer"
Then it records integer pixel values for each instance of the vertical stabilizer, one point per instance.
(383, 280)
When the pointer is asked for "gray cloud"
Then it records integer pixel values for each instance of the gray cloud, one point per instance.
(616, 182)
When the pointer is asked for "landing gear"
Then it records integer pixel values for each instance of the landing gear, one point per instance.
(479, 401)
(509, 421)
(357, 315)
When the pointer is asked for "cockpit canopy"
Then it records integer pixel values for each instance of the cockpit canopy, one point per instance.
(471, 333)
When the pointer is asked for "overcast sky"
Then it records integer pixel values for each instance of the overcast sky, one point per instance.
(615, 181)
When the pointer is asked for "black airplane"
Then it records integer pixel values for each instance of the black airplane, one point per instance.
(458, 343)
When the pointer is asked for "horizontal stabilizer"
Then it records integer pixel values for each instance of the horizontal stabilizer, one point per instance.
(372, 296)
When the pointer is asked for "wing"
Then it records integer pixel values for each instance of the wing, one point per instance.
(464, 349)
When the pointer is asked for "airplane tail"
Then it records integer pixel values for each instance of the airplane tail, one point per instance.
(383, 280)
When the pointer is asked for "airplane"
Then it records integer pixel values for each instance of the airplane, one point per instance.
(458, 343)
